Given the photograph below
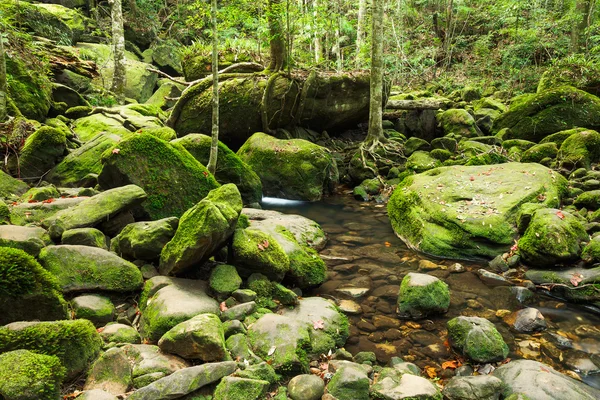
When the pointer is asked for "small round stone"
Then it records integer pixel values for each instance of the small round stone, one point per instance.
(306, 387)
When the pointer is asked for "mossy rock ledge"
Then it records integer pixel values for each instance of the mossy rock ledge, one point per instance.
(469, 212)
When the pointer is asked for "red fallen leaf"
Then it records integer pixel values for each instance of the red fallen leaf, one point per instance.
(32, 201)
(388, 244)
(472, 178)
(576, 279)
(100, 329)
(205, 173)
(320, 324)
(560, 215)
(514, 247)
(116, 151)
(48, 201)
(223, 307)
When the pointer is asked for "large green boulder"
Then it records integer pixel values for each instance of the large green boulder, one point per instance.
(111, 372)
(201, 337)
(477, 339)
(580, 149)
(293, 169)
(75, 343)
(76, 168)
(173, 179)
(144, 240)
(94, 210)
(85, 237)
(458, 123)
(203, 229)
(422, 295)
(469, 212)
(11, 188)
(25, 375)
(167, 55)
(230, 168)
(84, 268)
(568, 71)
(139, 82)
(537, 116)
(86, 128)
(552, 237)
(257, 251)
(28, 291)
(232, 388)
(41, 152)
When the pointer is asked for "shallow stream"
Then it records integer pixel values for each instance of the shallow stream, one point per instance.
(366, 263)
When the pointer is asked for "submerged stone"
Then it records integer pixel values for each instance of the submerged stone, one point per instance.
(477, 339)
(422, 295)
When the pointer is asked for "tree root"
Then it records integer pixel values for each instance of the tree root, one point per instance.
(370, 151)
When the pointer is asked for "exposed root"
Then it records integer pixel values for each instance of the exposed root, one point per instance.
(377, 151)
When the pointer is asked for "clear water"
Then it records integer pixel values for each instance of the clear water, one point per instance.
(366, 263)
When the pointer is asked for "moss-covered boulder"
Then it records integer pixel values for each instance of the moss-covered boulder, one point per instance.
(40, 193)
(477, 339)
(231, 388)
(200, 337)
(98, 309)
(256, 251)
(139, 82)
(230, 168)
(144, 240)
(289, 337)
(111, 372)
(11, 188)
(350, 382)
(421, 161)
(87, 127)
(395, 384)
(585, 76)
(224, 280)
(537, 116)
(94, 210)
(580, 149)
(540, 151)
(84, 268)
(197, 61)
(590, 200)
(468, 212)
(166, 302)
(25, 375)
(422, 295)
(85, 237)
(75, 343)
(173, 179)
(27, 238)
(292, 169)
(552, 237)
(167, 55)
(27, 291)
(77, 167)
(459, 123)
(41, 152)
(203, 229)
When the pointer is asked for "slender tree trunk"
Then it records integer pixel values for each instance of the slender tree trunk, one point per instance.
(582, 10)
(360, 30)
(448, 34)
(118, 37)
(277, 41)
(317, 39)
(375, 133)
(3, 84)
(214, 145)
(338, 39)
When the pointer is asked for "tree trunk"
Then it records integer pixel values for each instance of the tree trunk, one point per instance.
(118, 37)
(277, 41)
(448, 35)
(582, 10)
(317, 39)
(375, 133)
(360, 30)
(3, 84)
(214, 145)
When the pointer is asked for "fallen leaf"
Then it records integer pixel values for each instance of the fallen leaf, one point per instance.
(453, 364)
(388, 244)
(472, 178)
(430, 371)
(576, 279)
(320, 324)
(560, 215)
(223, 307)
(116, 151)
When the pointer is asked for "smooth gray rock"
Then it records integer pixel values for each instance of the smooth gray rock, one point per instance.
(306, 387)
(120, 333)
(98, 309)
(394, 385)
(481, 387)
(27, 238)
(184, 381)
(539, 381)
(171, 301)
(148, 363)
(528, 320)
(144, 240)
(349, 383)
(239, 311)
(200, 337)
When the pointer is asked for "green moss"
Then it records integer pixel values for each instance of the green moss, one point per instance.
(40, 194)
(560, 137)
(421, 161)
(259, 252)
(293, 169)
(75, 343)
(580, 149)
(458, 122)
(88, 127)
(230, 168)
(224, 279)
(540, 151)
(165, 133)
(354, 389)
(419, 301)
(173, 179)
(477, 338)
(85, 237)
(41, 152)
(27, 375)
(534, 117)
